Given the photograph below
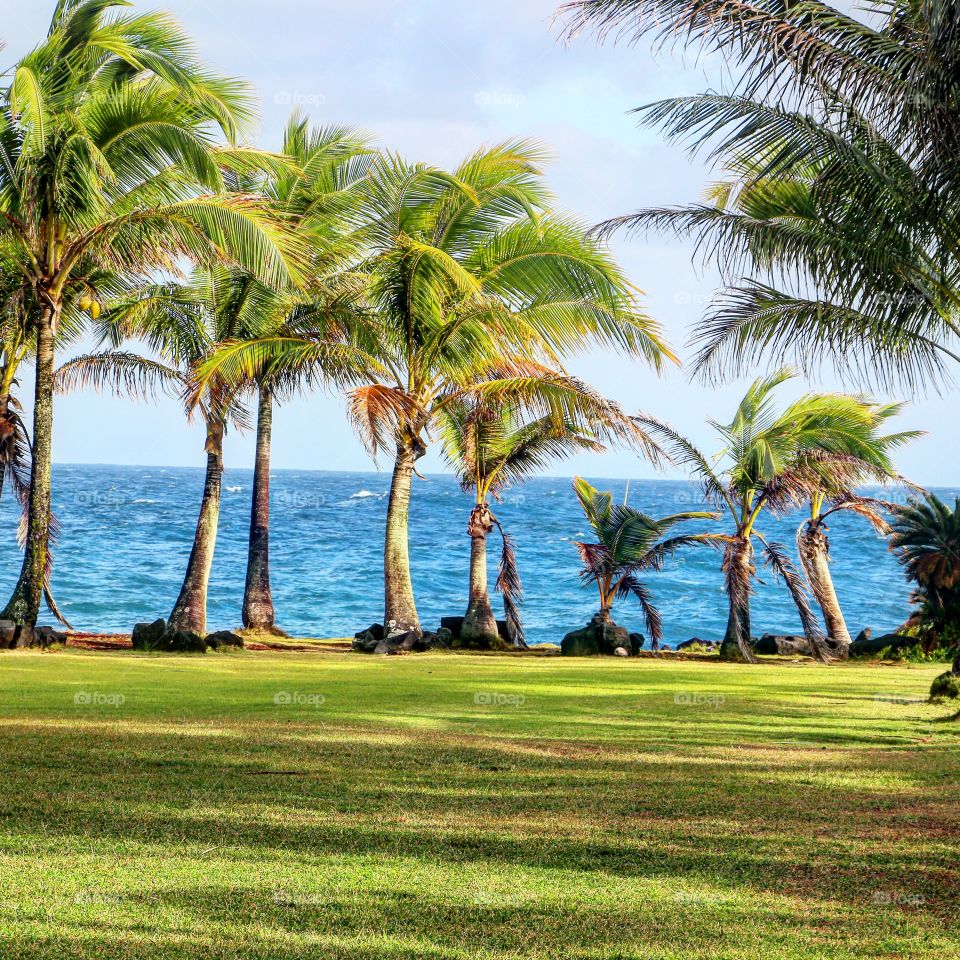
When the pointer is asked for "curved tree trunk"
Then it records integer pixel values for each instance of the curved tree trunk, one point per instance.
(814, 549)
(7, 430)
(400, 609)
(738, 569)
(24, 605)
(479, 623)
(190, 610)
(258, 609)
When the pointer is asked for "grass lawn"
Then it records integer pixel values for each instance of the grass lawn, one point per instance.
(326, 805)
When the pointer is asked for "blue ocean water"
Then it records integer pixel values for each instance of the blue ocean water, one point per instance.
(126, 534)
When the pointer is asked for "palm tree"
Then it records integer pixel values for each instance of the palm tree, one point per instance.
(840, 142)
(926, 539)
(774, 461)
(318, 194)
(14, 350)
(629, 543)
(109, 175)
(493, 445)
(470, 276)
(837, 493)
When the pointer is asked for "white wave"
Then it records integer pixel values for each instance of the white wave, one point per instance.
(363, 494)
(234, 489)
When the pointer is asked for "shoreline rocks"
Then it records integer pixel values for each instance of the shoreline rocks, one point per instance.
(602, 638)
(159, 636)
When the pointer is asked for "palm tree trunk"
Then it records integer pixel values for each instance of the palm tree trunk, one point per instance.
(479, 623)
(24, 605)
(738, 568)
(400, 609)
(6, 434)
(814, 549)
(258, 609)
(190, 610)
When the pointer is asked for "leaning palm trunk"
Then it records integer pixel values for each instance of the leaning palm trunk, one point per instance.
(258, 609)
(24, 605)
(738, 568)
(7, 429)
(479, 623)
(400, 609)
(814, 548)
(190, 610)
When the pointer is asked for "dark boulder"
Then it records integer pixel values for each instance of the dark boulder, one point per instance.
(48, 637)
(864, 635)
(441, 640)
(697, 642)
(870, 646)
(637, 640)
(366, 640)
(185, 641)
(150, 636)
(224, 638)
(598, 637)
(453, 624)
(784, 646)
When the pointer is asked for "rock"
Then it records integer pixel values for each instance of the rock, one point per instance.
(224, 638)
(621, 652)
(946, 686)
(441, 640)
(453, 624)
(637, 640)
(8, 632)
(870, 646)
(697, 642)
(150, 636)
(185, 641)
(784, 646)
(366, 640)
(48, 636)
(23, 637)
(864, 636)
(598, 637)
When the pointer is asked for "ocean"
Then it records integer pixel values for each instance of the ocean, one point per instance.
(126, 534)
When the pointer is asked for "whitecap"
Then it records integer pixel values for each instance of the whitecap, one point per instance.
(362, 494)
(234, 489)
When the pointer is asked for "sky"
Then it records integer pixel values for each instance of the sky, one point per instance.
(434, 80)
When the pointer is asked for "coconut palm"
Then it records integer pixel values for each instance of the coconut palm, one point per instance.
(770, 460)
(318, 194)
(109, 175)
(493, 445)
(470, 275)
(835, 493)
(629, 543)
(838, 234)
(926, 540)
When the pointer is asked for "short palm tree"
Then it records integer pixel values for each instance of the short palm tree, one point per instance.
(109, 174)
(837, 233)
(837, 492)
(470, 275)
(628, 544)
(770, 460)
(493, 445)
(926, 539)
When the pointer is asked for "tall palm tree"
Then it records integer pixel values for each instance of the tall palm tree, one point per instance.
(318, 194)
(629, 544)
(926, 539)
(836, 492)
(838, 234)
(770, 460)
(109, 174)
(470, 275)
(493, 445)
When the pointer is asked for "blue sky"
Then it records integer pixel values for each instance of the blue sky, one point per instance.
(434, 79)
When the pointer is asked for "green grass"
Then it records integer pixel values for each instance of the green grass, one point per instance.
(598, 810)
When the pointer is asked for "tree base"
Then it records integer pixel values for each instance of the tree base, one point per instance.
(602, 637)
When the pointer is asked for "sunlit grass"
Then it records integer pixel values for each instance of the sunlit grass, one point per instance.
(267, 805)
